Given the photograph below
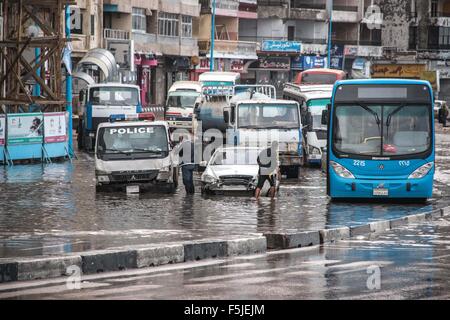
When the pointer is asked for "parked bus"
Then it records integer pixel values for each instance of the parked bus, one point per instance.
(319, 76)
(381, 139)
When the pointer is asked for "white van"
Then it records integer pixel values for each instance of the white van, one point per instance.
(180, 104)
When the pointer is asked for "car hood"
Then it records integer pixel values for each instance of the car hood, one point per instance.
(235, 170)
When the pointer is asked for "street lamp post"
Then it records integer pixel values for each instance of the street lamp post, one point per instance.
(213, 22)
(330, 29)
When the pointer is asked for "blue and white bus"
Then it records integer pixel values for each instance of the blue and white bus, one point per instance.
(381, 139)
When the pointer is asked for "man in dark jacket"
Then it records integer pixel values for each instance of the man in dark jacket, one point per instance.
(187, 163)
(267, 166)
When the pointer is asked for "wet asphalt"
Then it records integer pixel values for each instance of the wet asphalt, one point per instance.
(405, 263)
(54, 209)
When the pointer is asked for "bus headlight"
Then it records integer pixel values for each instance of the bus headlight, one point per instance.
(341, 171)
(422, 171)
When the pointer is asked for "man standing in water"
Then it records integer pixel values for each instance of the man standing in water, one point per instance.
(186, 155)
(267, 161)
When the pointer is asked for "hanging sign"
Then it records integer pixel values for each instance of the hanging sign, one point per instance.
(25, 128)
(55, 127)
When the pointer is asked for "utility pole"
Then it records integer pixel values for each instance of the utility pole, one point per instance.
(330, 29)
(69, 84)
(213, 23)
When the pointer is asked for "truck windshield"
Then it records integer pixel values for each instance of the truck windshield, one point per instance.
(316, 107)
(114, 96)
(382, 130)
(137, 142)
(268, 116)
(319, 78)
(240, 157)
(182, 99)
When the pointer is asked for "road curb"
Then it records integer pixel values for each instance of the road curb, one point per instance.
(289, 240)
(141, 256)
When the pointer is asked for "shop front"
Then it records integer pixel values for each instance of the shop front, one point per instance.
(144, 64)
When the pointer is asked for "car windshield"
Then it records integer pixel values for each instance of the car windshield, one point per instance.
(382, 130)
(318, 78)
(127, 141)
(182, 99)
(268, 116)
(316, 107)
(235, 157)
(114, 96)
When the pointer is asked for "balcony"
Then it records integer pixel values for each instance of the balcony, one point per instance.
(440, 19)
(316, 10)
(115, 34)
(230, 49)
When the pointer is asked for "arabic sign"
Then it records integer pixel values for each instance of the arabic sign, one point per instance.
(281, 46)
(432, 77)
(397, 70)
(2, 130)
(336, 62)
(55, 127)
(281, 63)
(297, 63)
(25, 128)
(237, 65)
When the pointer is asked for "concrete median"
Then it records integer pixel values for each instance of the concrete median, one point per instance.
(288, 240)
(334, 235)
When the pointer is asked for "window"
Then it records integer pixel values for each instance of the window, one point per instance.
(412, 38)
(434, 8)
(139, 20)
(168, 24)
(92, 25)
(186, 26)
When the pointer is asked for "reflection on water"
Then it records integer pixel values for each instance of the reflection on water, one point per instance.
(55, 206)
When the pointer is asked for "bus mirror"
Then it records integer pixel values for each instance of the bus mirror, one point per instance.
(226, 116)
(324, 117)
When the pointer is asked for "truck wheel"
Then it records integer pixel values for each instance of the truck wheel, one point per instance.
(80, 135)
(293, 172)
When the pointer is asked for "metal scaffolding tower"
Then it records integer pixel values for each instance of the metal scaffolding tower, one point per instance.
(31, 53)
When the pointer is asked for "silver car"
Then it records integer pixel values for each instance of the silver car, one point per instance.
(234, 169)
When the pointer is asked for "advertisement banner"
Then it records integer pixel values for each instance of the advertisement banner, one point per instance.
(337, 62)
(237, 65)
(398, 70)
(297, 63)
(55, 127)
(2, 129)
(25, 128)
(310, 62)
(281, 46)
(277, 63)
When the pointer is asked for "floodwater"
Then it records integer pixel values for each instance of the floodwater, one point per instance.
(53, 209)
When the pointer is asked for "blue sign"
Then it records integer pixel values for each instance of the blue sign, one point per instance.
(311, 62)
(336, 62)
(297, 63)
(281, 46)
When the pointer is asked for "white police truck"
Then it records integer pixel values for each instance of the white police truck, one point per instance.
(133, 153)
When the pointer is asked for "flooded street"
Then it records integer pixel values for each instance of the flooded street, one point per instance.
(50, 209)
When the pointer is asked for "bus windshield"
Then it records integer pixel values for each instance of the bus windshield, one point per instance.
(114, 96)
(382, 130)
(268, 116)
(118, 143)
(316, 107)
(182, 99)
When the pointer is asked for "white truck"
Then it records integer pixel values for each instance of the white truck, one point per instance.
(255, 119)
(180, 104)
(134, 154)
(100, 101)
(313, 100)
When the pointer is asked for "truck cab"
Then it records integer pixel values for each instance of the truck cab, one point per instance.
(313, 101)
(259, 122)
(99, 102)
(180, 103)
(134, 153)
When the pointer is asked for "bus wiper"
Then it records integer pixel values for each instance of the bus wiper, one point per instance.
(147, 150)
(389, 117)
(377, 118)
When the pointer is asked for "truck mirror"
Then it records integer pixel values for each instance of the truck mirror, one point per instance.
(309, 121)
(324, 117)
(197, 108)
(226, 116)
